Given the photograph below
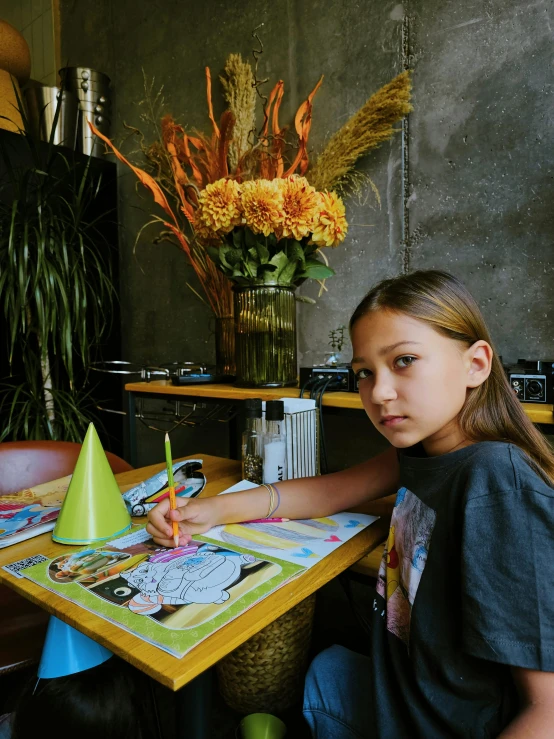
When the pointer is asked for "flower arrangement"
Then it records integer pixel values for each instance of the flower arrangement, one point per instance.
(269, 231)
(242, 203)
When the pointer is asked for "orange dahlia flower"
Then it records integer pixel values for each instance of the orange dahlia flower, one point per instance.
(300, 207)
(331, 225)
(219, 206)
(262, 206)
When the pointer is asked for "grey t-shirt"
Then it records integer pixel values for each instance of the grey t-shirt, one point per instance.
(464, 591)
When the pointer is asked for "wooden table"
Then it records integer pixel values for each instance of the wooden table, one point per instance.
(165, 668)
(538, 412)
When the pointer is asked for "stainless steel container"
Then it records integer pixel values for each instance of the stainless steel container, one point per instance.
(87, 142)
(92, 89)
(85, 75)
(42, 102)
(94, 110)
(93, 97)
(96, 98)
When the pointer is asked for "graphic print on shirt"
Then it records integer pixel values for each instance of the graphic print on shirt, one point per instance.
(404, 560)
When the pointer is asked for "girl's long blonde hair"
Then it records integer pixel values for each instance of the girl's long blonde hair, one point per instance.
(492, 411)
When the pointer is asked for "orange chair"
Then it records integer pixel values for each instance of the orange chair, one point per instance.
(27, 463)
(22, 465)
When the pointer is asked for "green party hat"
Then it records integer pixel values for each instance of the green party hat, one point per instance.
(93, 510)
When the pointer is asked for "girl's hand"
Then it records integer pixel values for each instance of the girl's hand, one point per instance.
(195, 516)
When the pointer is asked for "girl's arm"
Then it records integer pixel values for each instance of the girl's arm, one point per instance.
(536, 718)
(311, 497)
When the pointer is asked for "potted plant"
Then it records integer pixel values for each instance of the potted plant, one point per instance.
(56, 291)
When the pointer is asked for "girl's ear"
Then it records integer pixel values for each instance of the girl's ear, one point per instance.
(479, 358)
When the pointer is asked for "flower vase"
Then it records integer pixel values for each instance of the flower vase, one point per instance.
(265, 335)
(225, 345)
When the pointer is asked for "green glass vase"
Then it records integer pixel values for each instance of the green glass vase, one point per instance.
(265, 335)
(225, 345)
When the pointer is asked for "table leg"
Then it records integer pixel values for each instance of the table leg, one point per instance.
(132, 427)
(193, 708)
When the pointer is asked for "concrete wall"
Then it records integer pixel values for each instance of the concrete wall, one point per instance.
(480, 163)
(467, 188)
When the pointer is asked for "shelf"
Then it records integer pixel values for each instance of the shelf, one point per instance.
(537, 412)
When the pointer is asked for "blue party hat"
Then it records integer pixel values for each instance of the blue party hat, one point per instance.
(67, 651)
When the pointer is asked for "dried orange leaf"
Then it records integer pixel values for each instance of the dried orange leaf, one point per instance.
(209, 96)
(275, 122)
(148, 181)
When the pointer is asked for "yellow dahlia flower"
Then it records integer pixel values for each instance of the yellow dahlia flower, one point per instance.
(331, 226)
(219, 206)
(262, 206)
(205, 235)
(300, 207)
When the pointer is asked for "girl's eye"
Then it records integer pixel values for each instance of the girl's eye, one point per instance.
(362, 374)
(403, 362)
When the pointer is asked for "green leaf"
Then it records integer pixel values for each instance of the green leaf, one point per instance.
(310, 249)
(265, 268)
(251, 268)
(311, 262)
(263, 253)
(316, 271)
(295, 251)
(280, 260)
(238, 240)
(213, 251)
(287, 274)
(250, 239)
(234, 256)
(223, 251)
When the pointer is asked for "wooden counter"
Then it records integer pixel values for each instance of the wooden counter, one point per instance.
(537, 412)
(163, 667)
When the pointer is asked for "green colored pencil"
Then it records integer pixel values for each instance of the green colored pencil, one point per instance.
(171, 484)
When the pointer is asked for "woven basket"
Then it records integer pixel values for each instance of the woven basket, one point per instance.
(266, 673)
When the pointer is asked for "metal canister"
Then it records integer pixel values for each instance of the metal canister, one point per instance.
(84, 75)
(42, 103)
(92, 89)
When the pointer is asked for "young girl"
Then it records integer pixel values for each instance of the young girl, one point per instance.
(462, 643)
(102, 702)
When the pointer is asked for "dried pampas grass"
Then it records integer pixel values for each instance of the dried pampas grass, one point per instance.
(240, 93)
(366, 130)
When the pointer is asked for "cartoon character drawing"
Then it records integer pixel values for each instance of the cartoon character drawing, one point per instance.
(189, 482)
(404, 560)
(196, 577)
(79, 564)
(115, 590)
(22, 517)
